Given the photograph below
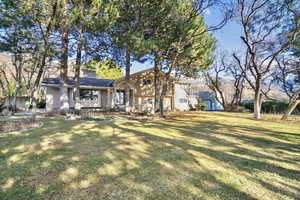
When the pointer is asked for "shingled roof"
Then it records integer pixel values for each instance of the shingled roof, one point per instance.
(86, 81)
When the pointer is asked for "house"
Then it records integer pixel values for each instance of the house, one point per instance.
(107, 94)
(194, 91)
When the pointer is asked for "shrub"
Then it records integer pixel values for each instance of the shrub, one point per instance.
(201, 106)
(41, 104)
(249, 106)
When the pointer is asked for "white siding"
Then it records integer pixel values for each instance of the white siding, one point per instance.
(52, 98)
(179, 96)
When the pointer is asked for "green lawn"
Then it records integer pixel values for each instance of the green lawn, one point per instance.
(192, 156)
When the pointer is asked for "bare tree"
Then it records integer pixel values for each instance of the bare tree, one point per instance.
(261, 21)
(214, 82)
(6, 85)
(228, 91)
(288, 75)
(238, 84)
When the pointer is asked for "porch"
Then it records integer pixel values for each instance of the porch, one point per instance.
(104, 99)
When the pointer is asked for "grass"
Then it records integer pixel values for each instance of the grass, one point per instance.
(191, 156)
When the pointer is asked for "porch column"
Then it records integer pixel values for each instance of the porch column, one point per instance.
(64, 99)
(113, 98)
(109, 99)
(133, 103)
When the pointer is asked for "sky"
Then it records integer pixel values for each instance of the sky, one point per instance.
(228, 38)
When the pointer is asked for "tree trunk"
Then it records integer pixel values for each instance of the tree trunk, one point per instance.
(14, 99)
(32, 101)
(19, 71)
(64, 68)
(162, 96)
(127, 78)
(77, 69)
(257, 105)
(45, 55)
(290, 109)
(257, 99)
(156, 86)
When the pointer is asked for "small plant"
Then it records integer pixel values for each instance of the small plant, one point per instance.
(201, 106)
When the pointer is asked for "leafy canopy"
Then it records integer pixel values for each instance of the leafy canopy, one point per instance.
(106, 69)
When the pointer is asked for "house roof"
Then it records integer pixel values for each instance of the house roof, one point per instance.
(86, 81)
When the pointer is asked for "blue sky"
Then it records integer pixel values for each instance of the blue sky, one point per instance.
(228, 37)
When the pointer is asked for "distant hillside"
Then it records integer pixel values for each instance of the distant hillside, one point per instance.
(200, 85)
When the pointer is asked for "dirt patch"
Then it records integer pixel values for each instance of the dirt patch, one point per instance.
(10, 125)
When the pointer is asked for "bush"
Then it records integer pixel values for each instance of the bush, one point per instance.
(201, 106)
(272, 107)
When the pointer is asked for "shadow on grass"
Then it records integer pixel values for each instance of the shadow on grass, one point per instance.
(170, 159)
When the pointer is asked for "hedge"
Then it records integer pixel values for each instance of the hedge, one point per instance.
(272, 107)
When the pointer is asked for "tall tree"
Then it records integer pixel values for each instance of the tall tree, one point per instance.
(64, 26)
(294, 67)
(26, 28)
(261, 21)
(177, 26)
(288, 75)
(188, 48)
(134, 17)
(91, 19)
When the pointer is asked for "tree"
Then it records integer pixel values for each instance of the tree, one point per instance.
(292, 69)
(91, 19)
(26, 28)
(79, 29)
(126, 32)
(288, 75)
(178, 40)
(261, 21)
(7, 85)
(228, 91)
(64, 26)
(187, 48)
(106, 69)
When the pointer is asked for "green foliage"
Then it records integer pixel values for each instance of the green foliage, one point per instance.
(272, 107)
(126, 28)
(201, 106)
(41, 103)
(181, 40)
(106, 69)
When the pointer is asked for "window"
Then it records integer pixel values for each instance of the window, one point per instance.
(147, 82)
(182, 100)
(89, 95)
